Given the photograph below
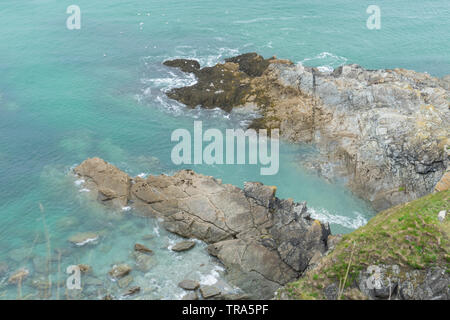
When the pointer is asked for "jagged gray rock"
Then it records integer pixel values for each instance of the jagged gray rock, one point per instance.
(264, 242)
(385, 131)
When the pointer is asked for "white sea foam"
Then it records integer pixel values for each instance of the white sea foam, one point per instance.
(349, 222)
(85, 190)
(79, 182)
(212, 277)
(89, 240)
(325, 61)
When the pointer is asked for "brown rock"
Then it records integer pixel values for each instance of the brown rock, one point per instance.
(112, 185)
(132, 291)
(209, 292)
(183, 246)
(189, 284)
(18, 276)
(83, 238)
(119, 271)
(141, 248)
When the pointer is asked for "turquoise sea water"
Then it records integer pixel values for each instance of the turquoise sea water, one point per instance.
(66, 95)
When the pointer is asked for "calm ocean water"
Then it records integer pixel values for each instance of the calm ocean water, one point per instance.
(99, 91)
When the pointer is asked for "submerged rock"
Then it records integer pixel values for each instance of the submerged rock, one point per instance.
(132, 291)
(264, 242)
(119, 271)
(141, 248)
(190, 296)
(84, 238)
(144, 262)
(3, 268)
(183, 246)
(20, 254)
(41, 264)
(223, 85)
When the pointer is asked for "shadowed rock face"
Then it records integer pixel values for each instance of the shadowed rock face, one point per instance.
(385, 131)
(263, 241)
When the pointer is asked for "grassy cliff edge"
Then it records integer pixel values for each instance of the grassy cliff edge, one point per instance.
(409, 237)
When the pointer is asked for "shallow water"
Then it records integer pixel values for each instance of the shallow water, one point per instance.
(68, 95)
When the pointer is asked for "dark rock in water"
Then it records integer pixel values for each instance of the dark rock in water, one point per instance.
(141, 248)
(189, 284)
(148, 237)
(119, 271)
(108, 297)
(41, 283)
(224, 85)
(251, 64)
(132, 291)
(144, 262)
(209, 291)
(190, 296)
(185, 65)
(183, 246)
(18, 276)
(20, 254)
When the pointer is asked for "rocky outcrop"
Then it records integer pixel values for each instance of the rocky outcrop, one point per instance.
(385, 131)
(222, 86)
(264, 242)
(111, 185)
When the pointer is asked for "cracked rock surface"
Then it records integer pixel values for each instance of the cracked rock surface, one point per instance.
(264, 242)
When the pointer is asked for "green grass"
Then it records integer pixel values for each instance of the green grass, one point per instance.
(408, 235)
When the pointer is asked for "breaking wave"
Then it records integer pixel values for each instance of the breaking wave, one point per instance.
(349, 222)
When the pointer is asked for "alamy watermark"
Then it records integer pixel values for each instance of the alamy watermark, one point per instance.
(73, 282)
(241, 147)
(73, 22)
(374, 20)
